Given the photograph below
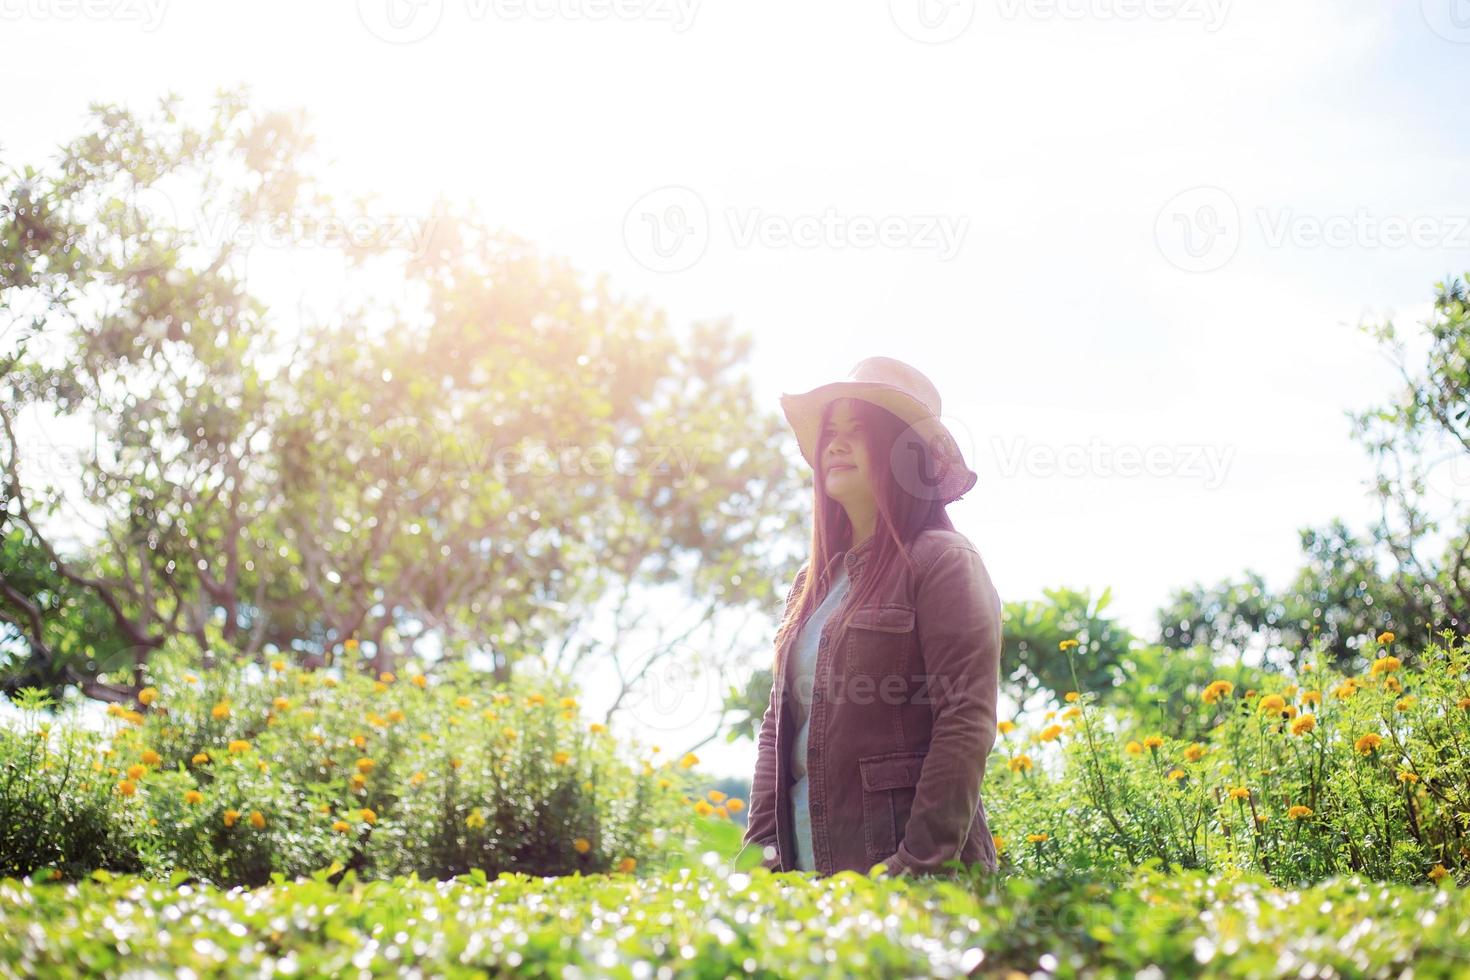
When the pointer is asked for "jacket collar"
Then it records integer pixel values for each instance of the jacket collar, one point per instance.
(854, 558)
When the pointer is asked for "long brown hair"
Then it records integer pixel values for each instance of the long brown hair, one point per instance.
(901, 514)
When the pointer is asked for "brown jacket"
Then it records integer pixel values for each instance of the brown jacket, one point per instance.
(902, 722)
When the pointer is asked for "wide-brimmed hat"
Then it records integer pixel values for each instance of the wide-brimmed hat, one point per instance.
(904, 391)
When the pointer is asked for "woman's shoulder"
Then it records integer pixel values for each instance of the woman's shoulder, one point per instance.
(931, 541)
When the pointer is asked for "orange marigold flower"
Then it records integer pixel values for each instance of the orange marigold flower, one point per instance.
(1271, 702)
(1068, 645)
(127, 787)
(1311, 697)
(1071, 696)
(1386, 637)
(147, 695)
(1368, 743)
(193, 796)
(735, 804)
(1005, 727)
(368, 815)
(702, 808)
(1216, 690)
(230, 816)
(1406, 702)
(1298, 812)
(1152, 741)
(1239, 793)
(1437, 872)
(1037, 838)
(341, 826)
(257, 819)
(689, 760)
(137, 771)
(1385, 665)
(1194, 751)
(419, 680)
(1133, 748)
(200, 758)
(1304, 724)
(221, 710)
(1020, 763)
(561, 757)
(627, 864)
(1175, 774)
(1407, 777)
(596, 727)
(417, 778)
(1050, 733)
(582, 845)
(238, 745)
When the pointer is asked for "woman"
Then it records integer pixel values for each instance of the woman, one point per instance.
(883, 704)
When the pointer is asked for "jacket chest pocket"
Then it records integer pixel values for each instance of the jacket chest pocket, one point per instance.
(880, 639)
(889, 783)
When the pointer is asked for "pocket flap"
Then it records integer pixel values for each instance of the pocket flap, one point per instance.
(891, 771)
(890, 617)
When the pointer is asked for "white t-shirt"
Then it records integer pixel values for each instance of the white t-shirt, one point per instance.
(802, 669)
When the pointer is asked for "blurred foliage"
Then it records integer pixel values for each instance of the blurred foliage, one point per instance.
(469, 445)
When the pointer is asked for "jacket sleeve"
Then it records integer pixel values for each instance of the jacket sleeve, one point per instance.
(959, 622)
(760, 826)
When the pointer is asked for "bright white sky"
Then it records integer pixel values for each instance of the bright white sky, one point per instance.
(1052, 264)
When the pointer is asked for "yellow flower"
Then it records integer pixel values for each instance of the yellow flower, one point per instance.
(367, 815)
(1050, 733)
(193, 796)
(365, 765)
(568, 702)
(1385, 638)
(115, 710)
(464, 702)
(419, 680)
(715, 796)
(1152, 741)
(1037, 838)
(1385, 665)
(221, 710)
(1175, 774)
(1463, 704)
(1239, 793)
(350, 644)
(127, 787)
(1298, 812)
(379, 686)
(329, 681)
(147, 695)
(1262, 818)
(1019, 763)
(1368, 743)
(1005, 727)
(133, 716)
(239, 745)
(689, 760)
(200, 758)
(561, 758)
(999, 841)
(626, 865)
(1303, 724)
(417, 778)
(508, 732)
(582, 844)
(537, 698)
(1311, 697)
(341, 826)
(1071, 696)
(257, 819)
(702, 808)
(1073, 712)
(455, 763)
(1346, 689)
(1407, 777)
(735, 804)
(1067, 645)
(1217, 690)
(395, 716)
(360, 741)
(191, 678)
(137, 771)
(278, 665)
(597, 727)
(1133, 748)
(1406, 702)
(1194, 752)
(1391, 683)
(281, 704)
(230, 817)
(1437, 872)
(1271, 702)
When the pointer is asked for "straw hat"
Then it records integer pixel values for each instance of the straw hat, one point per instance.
(904, 391)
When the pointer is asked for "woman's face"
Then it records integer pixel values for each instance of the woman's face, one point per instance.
(844, 458)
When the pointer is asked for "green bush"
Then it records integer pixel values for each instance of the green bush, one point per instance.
(236, 773)
(1309, 777)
